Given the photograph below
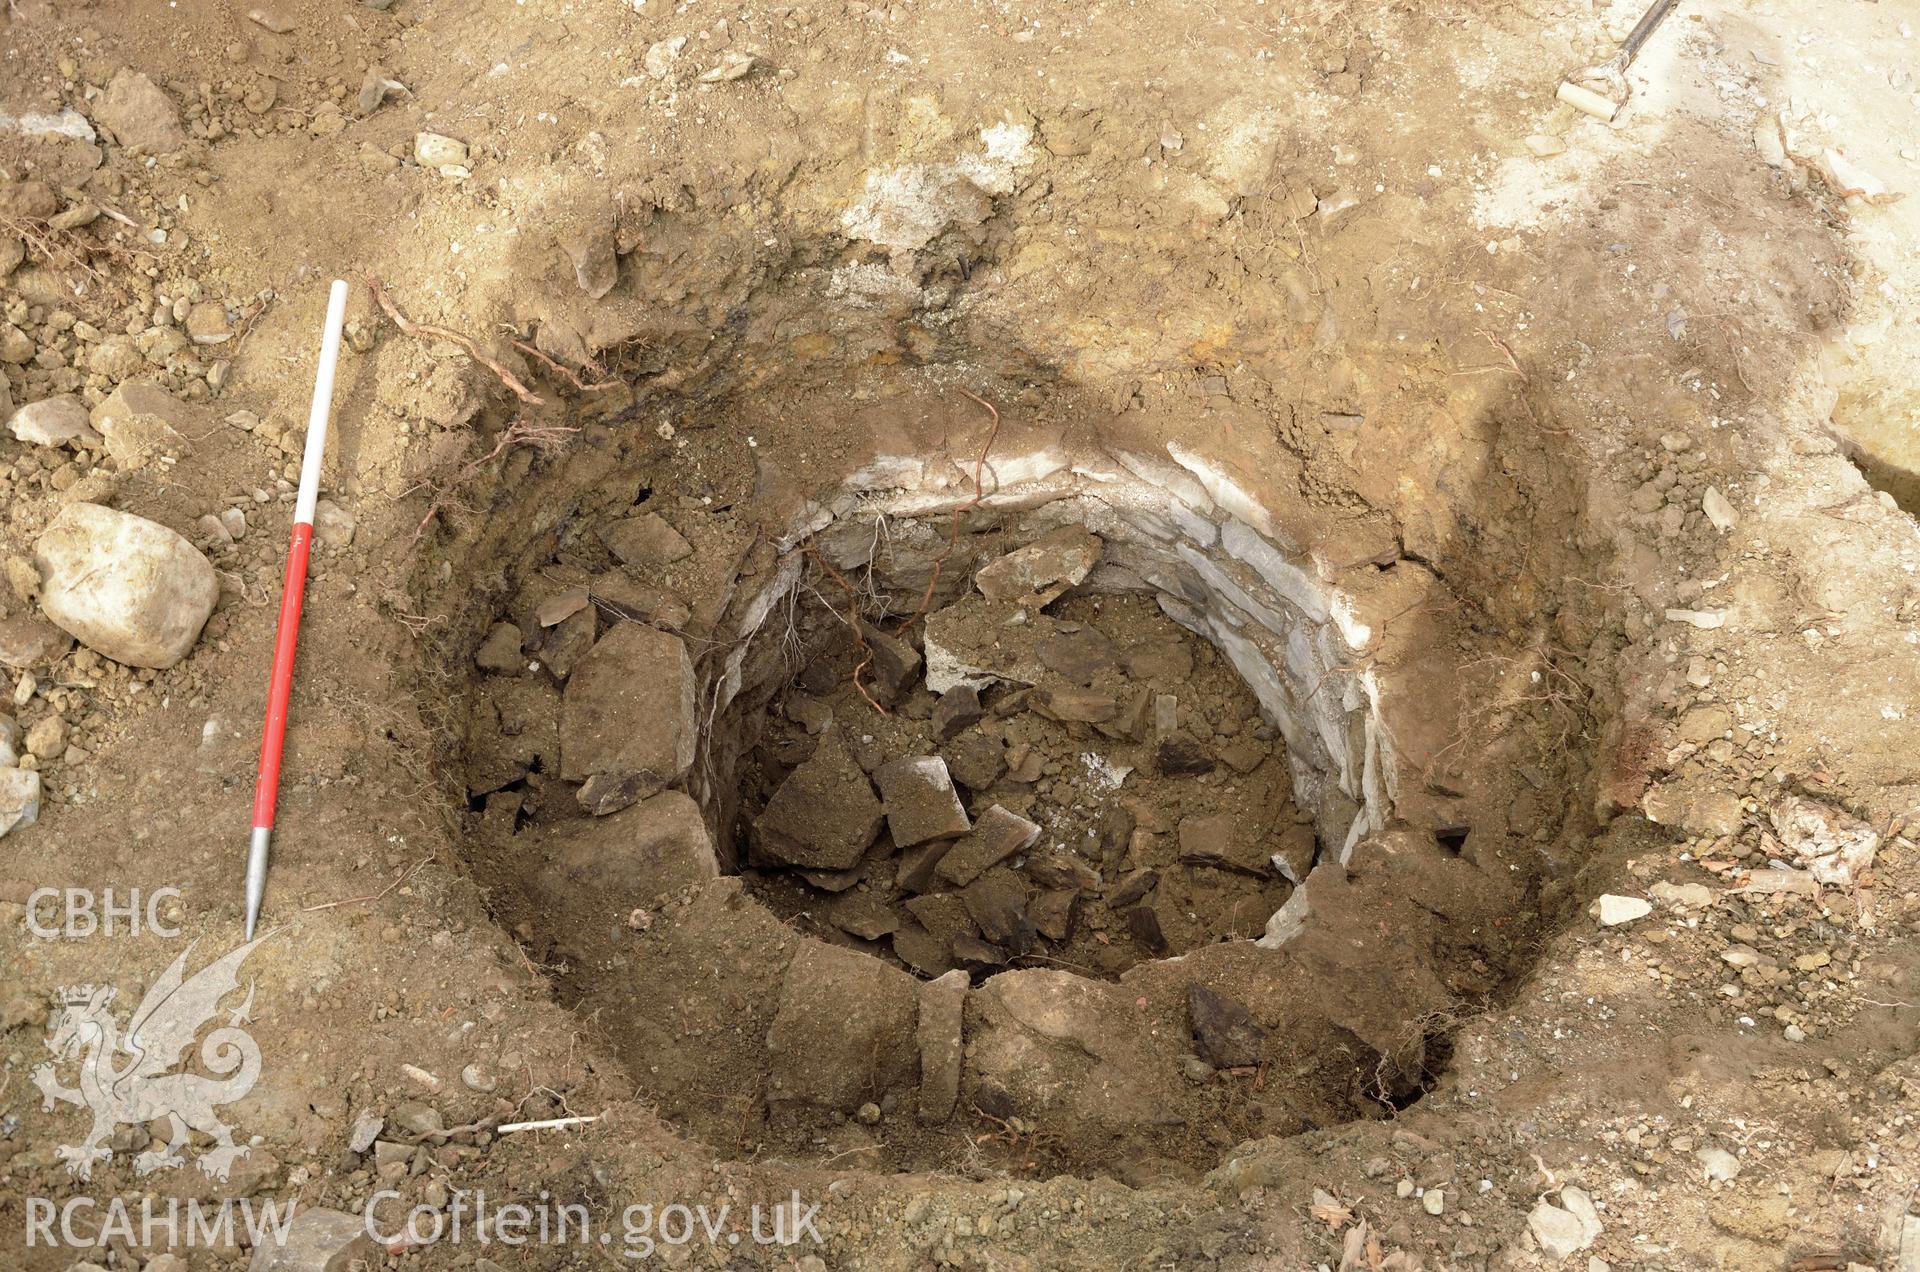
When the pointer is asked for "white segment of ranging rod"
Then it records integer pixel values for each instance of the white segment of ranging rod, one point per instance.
(318, 413)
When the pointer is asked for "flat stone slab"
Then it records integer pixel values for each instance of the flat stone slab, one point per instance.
(629, 721)
(916, 871)
(976, 760)
(995, 837)
(1041, 571)
(824, 816)
(920, 801)
(1071, 704)
(957, 710)
(863, 915)
(645, 540)
(845, 1033)
(976, 641)
(893, 666)
(659, 845)
(997, 903)
(1053, 913)
(943, 1004)
(1222, 842)
(943, 914)
(922, 950)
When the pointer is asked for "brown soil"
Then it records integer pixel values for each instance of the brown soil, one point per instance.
(1529, 417)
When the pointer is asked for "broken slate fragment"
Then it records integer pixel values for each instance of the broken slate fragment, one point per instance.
(1719, 511)
(845, 1032)
(894, 663)
(19, 798)
(366, 1129)
(27, 640)
(920, 800)
(437, 150)
(862, 914)
(824, 816)
(272, 19)
(645, 540)
(1078, 655)
(140, 419)
(1293, 853)
(944, 914)
(1222, 842)
(916, 872)
(1132, 888)
(1053, 913)
(628, 721)
(1224, 1029)
(957, 709)
(942, 1004)
(561, 606)
(971, 951)
(1038, 573)
(1058, 868)
(997, 835)
(618, 594)
(921, 950)
(834, 880)
(1144, 925)
(733, 65)
(1175, 753)
(658, 846)
(975, 760)
(317, 1240)
(566, 643)
(1682, 896)
(1181, 756)
(1074, 705)
(997, 903)
(375, 88)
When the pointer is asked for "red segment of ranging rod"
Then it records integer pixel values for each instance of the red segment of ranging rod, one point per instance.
(287, 638)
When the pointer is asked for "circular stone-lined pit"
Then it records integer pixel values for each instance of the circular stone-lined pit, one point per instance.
(1095, 844)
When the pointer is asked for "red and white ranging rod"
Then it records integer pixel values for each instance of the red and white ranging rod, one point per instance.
(287, 636)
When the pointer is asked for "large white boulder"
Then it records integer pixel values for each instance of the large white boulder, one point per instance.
(19, 798)
(126, 587)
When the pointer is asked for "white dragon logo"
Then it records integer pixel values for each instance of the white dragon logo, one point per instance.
(140, 1089)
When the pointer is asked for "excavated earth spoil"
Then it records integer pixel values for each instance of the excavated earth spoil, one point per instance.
(1207, 636)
